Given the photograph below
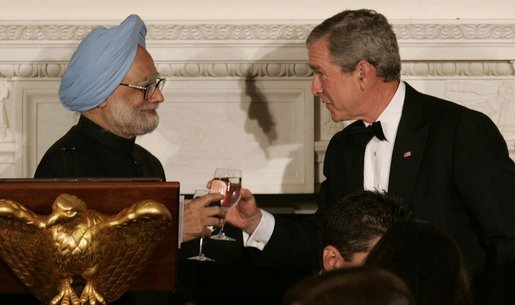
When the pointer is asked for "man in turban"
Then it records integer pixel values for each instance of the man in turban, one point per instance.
(112, 81)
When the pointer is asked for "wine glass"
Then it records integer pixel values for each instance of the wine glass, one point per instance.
(201, 256)
(226, 181)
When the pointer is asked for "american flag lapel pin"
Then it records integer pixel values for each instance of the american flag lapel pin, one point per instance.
(407, 154)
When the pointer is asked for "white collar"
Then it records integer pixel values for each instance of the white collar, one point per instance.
(391, 115)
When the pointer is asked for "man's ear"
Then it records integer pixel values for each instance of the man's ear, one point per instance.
(364, 71)
(331, 258)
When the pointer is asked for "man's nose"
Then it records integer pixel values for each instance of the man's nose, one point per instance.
(157, 96)
(316, 89)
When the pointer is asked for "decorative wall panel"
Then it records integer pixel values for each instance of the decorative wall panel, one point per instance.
(263, 127)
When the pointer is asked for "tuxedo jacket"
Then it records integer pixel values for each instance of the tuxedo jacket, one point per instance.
(450, 166)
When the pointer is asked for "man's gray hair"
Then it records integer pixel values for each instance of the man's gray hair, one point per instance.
(355, 35)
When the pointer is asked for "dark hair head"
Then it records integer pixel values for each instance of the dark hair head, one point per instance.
(427, 259)
(358, 218)
(355, 35)
(351, 286)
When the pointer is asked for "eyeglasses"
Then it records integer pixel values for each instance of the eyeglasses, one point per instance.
(149, 89)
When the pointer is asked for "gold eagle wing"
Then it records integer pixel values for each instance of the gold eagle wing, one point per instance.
(126, 242)
(24, 248)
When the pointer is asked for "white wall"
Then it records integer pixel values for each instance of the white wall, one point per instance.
(251, 9)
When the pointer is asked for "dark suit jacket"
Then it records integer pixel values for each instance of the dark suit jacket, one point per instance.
(450, 166)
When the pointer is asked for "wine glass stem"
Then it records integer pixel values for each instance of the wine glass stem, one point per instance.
(221, 233)
(200, 253)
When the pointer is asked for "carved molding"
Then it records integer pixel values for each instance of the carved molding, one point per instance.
(458, 68)
(435, 31)
(274, 69)
(454, 31)
(186, 69)
(164, 32)
(32, 70)
(229, 32)
(21, 32)
(220, 69)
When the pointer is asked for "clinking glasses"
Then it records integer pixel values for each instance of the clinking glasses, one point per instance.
(149, 89)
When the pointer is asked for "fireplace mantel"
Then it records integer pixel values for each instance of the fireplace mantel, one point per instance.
(249, 81)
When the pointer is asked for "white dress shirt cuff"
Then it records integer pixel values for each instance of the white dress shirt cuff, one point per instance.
(262, 233)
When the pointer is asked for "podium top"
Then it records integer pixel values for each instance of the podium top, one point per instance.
(107, 196)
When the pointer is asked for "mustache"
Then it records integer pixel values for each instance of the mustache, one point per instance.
(149, 107)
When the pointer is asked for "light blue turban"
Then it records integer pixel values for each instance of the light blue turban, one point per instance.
(100, 63)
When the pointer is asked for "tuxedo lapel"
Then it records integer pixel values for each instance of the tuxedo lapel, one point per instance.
(353, 153)
(408, 148)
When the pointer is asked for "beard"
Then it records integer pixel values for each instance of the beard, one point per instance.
(133, 121)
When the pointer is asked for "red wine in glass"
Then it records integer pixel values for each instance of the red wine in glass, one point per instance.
(228, 183)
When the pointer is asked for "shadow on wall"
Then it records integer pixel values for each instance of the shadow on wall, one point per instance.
(260, 112)
(268, 134)
(270, 98)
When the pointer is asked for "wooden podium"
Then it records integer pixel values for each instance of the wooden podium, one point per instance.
(108, 197)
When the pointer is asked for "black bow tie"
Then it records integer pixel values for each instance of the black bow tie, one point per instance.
(376, 130)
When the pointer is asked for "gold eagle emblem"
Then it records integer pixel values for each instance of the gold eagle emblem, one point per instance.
(79, 256)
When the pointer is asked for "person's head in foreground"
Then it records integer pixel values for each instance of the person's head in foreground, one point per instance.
(355, 224)
(427, 259)
(351, 286)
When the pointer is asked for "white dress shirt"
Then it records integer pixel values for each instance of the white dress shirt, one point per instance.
(378, 154)
(376, 169)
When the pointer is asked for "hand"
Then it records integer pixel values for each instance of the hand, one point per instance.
(245, 215)
(198, 216)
